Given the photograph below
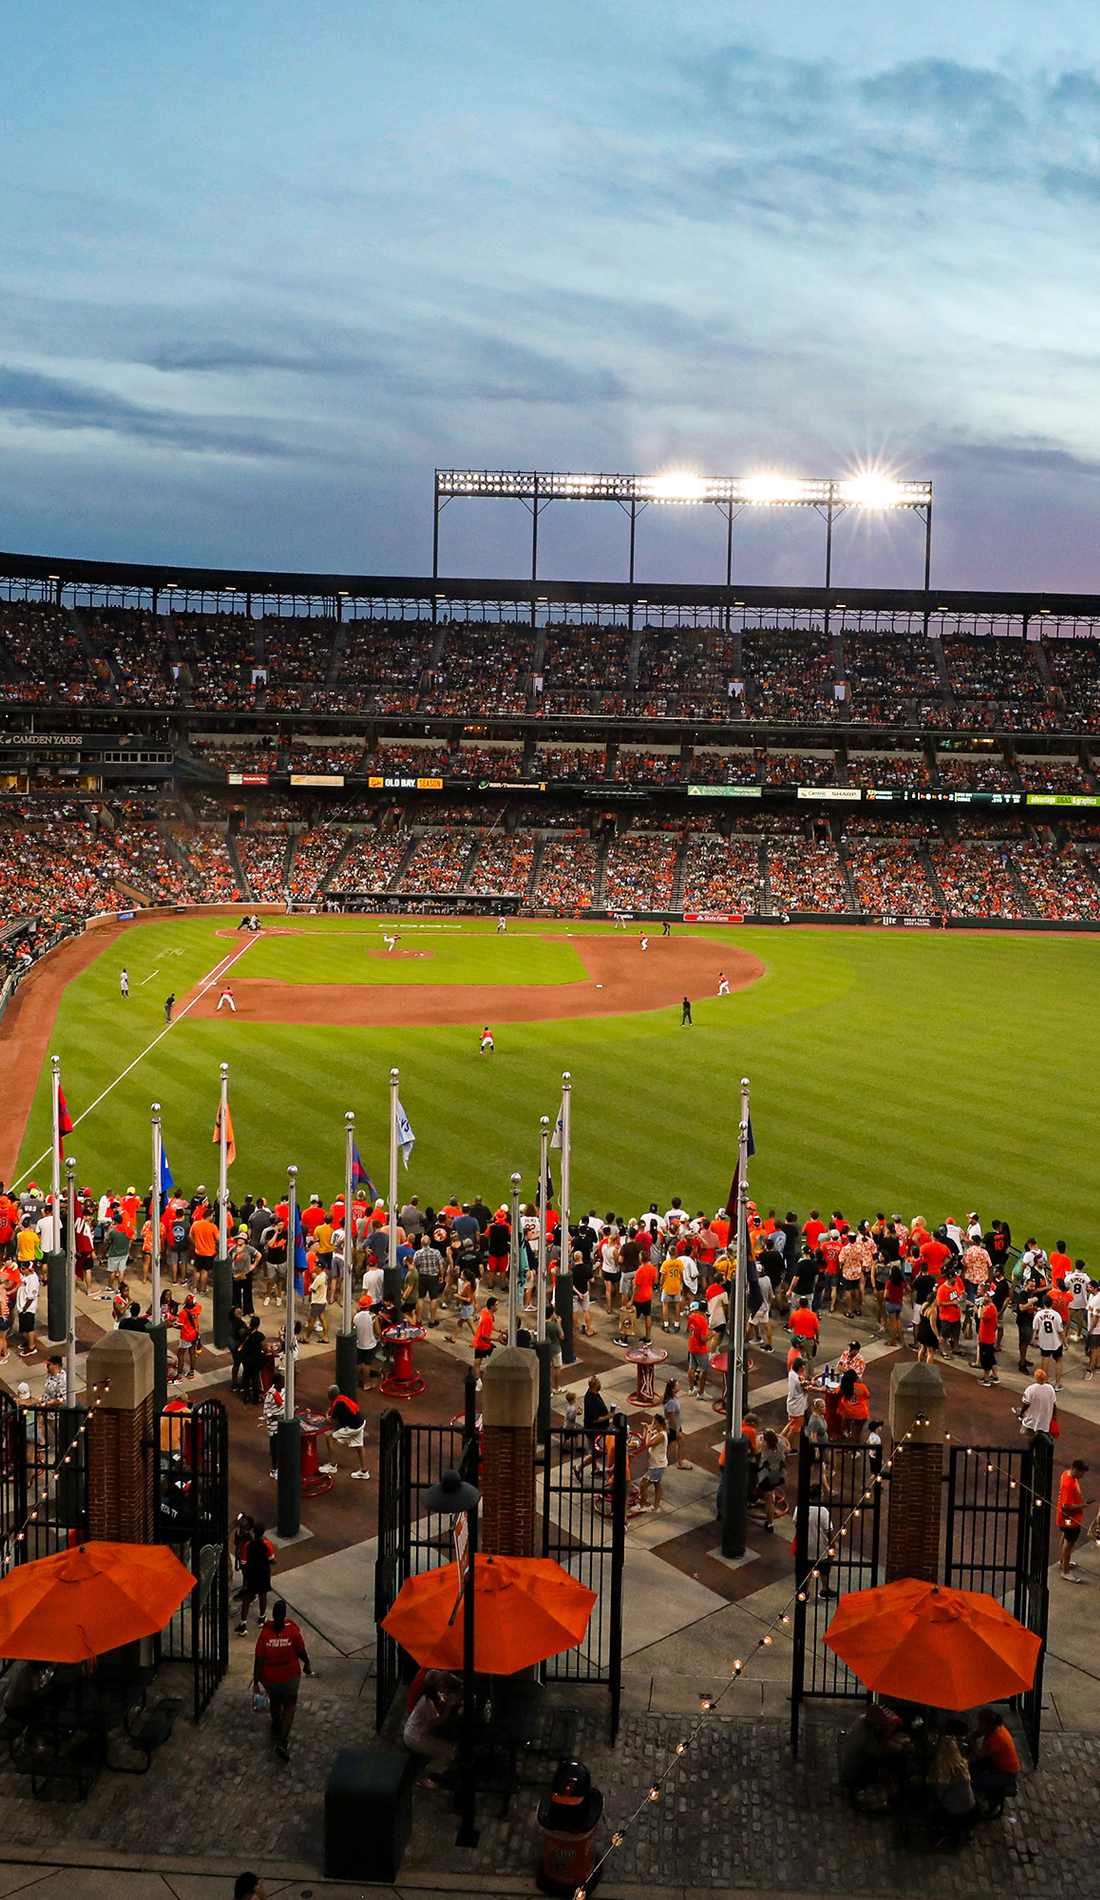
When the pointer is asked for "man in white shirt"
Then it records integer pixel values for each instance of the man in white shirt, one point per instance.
(1037, 1408)
(1092, 1336)
(819, 1541)
(26, 1307)
(366, 1341)
(797, 1402)
(1079, 1285)
(1048, 1328)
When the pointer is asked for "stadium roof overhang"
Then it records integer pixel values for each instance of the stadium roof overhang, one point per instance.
(56, 575)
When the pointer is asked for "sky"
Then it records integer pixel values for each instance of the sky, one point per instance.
(264, 268)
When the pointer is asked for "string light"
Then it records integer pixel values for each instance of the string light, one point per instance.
(52, 1477)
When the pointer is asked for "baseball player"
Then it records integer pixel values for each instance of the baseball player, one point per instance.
(389, 942)
(169, 1005)
(124, 986)
(723, 983)
(486, 1041)
(226, 997)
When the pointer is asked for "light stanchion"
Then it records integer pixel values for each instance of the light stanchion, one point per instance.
(289, 1482)
(158, 1331)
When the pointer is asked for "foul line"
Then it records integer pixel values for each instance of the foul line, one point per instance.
(148, 979)
(219, 971)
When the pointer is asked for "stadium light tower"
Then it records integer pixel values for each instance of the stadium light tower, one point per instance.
(870, 490)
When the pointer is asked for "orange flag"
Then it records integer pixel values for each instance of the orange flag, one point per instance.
(230, 1144)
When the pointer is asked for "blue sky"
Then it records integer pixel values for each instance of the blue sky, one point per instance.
(263, 268)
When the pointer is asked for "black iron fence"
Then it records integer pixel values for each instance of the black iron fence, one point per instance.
(852, 1486)
(43, 1479)
(191, 1504)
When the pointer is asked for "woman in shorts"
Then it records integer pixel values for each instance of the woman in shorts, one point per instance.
(656, 1442)
(467, 1308)
(670, 1406)
(610, 1269)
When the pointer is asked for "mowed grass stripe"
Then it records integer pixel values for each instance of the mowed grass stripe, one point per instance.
(915, 1073)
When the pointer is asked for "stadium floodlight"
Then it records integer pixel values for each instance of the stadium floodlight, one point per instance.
(872, 491)
(766, 489)
(680, 487)
(869, 488)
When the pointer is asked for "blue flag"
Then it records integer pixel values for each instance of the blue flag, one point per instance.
(166, 1181)
(359, 1175)
(299, 1244)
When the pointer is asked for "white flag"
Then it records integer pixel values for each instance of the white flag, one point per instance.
(559, 1128)
(405, 1136)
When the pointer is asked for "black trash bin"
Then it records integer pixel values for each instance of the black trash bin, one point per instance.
(368, 1813)
(569, 1817)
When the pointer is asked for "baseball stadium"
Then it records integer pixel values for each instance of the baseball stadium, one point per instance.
(336, 900)
(874, 814)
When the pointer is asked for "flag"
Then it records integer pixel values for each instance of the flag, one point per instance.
(405, 1136)
(558, 1135)
(230, 1144)
(359, 1175)
(166, 1182)
(64, 1121)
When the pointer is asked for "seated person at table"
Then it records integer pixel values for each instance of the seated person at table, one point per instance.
(432, 1712)
(347, 1426)
(949, 1776)
(994, 1763)
(874, 1749)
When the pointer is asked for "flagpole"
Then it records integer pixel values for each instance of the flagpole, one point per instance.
(346, 1366)
(57, 1312)
(154, 1215)
(289, 1482)
(223, 1166)
(349, 1165)
(735, 1487)
(540, 1277)
(513, 1261)
(566, 1177)
(158, 1330)
(70, 1280)
(390, 1281)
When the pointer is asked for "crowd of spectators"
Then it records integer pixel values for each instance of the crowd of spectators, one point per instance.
(567, 875)
(641, 873)
(1057, 882)
(372, 862)
(994, 668)
(975, 775)
(221, 757)
(789, 676)
(581, 659)
(645, 765)
(886, 673)
(712, 767)
(331, 760)
(976, 880)
(504, 864)
(439, 860)
(895, 770)
(481, 669)
(805, 875)
(1075, 670)
(263, 861)
(297, 648)
(691, 660)
(316, 850)
(211, 873)
(1054, 775)
(128, 639)
(407, 761)
(586, 763)
(722, 874)
(491, 762)
(44, 658)
(798, 768)
(889, 877)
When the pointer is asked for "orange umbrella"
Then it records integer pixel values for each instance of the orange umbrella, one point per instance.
(526, 1609)
(78, 1604)
(924, 1642)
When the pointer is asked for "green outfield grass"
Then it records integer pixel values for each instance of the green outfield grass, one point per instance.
(910, 1072)
(350, 950)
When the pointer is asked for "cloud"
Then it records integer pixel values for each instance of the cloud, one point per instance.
(53, 403)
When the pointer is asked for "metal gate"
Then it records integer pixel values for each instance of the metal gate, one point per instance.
(854, 1502)
(43, 1479)
(411, 1458)
(191, 1507)
(584, 1529)
(997, 1539)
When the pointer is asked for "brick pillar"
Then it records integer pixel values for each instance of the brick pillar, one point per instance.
(509, 1407)
(120, 1439)
(918, 1410)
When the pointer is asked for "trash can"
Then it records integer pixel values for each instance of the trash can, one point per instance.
(368, 1813)
(568, 1817)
